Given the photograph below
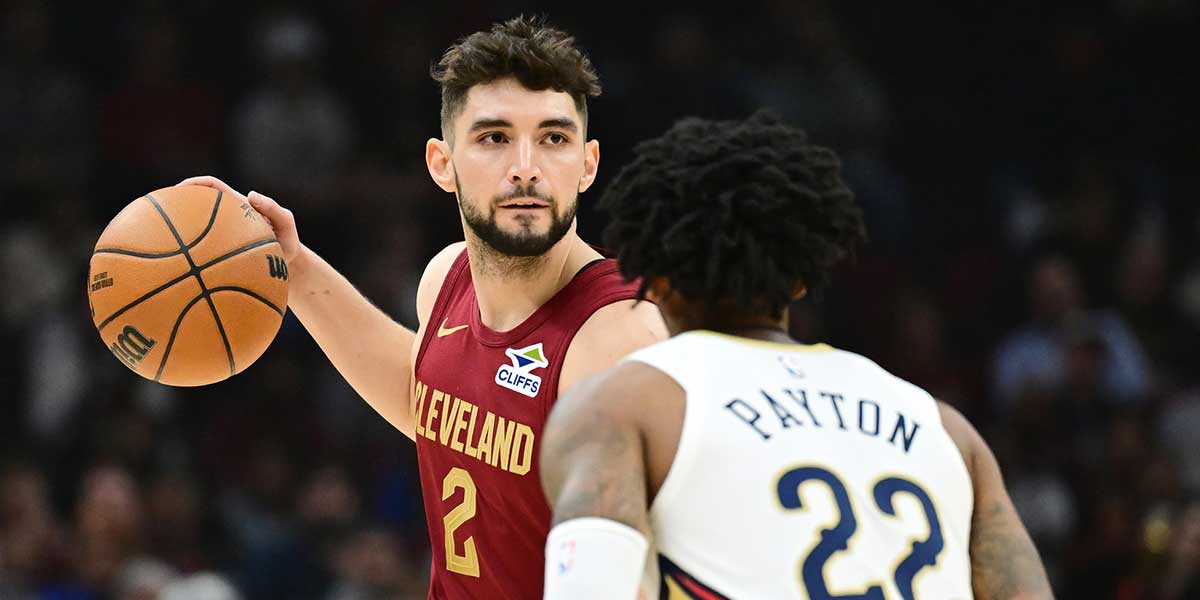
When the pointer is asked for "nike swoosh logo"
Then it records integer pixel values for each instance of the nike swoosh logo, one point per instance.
(443, 331)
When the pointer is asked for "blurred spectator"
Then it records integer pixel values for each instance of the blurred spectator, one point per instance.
(200, 586)
(1176, 428)
(1142, 293)
(32, 544)
(372, 566)
(110, 510)
(1170, 566)
(179, 529)
(1182, 577)
(1037, 353)
(142, 579)
(36, 310)
(275, 558)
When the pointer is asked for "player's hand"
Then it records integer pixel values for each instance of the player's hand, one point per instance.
(279, 218)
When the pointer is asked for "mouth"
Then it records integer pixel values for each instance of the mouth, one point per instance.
(524, 203)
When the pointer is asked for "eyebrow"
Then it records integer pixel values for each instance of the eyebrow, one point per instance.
(555, 123)
(559, 123)
(488, 124)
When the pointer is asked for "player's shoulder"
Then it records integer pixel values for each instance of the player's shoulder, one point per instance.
(618, 390)
(970, 443)
(434, 275)
(630, 324)
(609, 334)
(441, 262)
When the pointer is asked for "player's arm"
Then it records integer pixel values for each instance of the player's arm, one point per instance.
(371, 350)
(593, 471)
(607, 336)
(1004, 562)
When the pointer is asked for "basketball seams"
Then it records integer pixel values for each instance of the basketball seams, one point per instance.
(174, 232)
(140, 300)
(174, 330)
(233, 288)
(136, 254)
(221, 329)
(219, 259)
(126, 252)
(196, 271)
(211, 219)
(237, 251)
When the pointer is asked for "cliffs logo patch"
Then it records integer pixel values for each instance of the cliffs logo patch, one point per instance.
(518, 376)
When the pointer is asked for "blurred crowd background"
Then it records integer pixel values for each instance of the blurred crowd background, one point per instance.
(1029, 176)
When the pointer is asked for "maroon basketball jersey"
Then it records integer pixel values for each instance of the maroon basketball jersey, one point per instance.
(482, 398)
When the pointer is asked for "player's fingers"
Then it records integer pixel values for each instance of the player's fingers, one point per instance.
(265, 205)
(269, 208)
(208, 181)
(281, 221)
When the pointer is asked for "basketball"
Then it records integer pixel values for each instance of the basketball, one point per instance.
(187, 286)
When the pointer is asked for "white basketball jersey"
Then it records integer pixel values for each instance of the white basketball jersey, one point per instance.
(806, 472)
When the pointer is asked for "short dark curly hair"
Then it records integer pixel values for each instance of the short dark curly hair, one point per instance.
(732, 213)
(527, 48)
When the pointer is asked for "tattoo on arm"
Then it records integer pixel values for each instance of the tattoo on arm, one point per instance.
(1004, 562)
(592, 465)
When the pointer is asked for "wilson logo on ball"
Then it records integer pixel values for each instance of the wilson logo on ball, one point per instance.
(277, 267)
(131, 346)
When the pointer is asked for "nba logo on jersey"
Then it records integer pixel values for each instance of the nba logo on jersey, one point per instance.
(566, 557)
(518, 376)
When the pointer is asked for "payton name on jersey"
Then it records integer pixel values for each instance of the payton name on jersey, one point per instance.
(768, 414)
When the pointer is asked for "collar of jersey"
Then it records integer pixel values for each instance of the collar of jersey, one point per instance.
(496, 339)
(762, 343)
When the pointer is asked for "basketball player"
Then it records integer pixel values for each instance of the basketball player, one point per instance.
(764, 468)
(519, 311)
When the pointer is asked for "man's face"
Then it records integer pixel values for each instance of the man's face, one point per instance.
(520, 161)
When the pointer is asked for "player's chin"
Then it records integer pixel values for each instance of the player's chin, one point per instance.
(524, 221)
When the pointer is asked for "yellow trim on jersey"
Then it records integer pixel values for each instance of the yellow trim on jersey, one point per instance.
(765, 343)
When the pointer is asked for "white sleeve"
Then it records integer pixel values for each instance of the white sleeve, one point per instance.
(590, 558)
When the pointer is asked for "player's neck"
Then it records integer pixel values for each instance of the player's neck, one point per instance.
(509, 289)
(764, 333)
(765, 328)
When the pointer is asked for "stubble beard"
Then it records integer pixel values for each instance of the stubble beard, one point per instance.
(514, 253)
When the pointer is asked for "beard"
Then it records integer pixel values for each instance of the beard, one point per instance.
(525, 243)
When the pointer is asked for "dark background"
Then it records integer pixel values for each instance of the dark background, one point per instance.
(1028, 174)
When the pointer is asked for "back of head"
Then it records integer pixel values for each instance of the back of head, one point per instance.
(738, 215)
(537, 55)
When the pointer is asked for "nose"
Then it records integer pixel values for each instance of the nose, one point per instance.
(523, 171)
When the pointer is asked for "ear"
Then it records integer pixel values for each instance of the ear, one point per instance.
(441, 168)
(591, 162)
(799, 291)
(659, 290)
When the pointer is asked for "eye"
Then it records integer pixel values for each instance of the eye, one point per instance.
(556, 139)
(494, 137)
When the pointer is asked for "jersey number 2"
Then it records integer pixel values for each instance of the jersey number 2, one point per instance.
(836, 539)
(466, 563)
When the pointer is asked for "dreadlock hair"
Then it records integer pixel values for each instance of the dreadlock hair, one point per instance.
(734, 213)
(539, 56)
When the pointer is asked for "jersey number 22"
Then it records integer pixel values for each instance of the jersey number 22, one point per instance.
(837, 538)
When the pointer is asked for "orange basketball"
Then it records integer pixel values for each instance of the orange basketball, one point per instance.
(187, 285)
